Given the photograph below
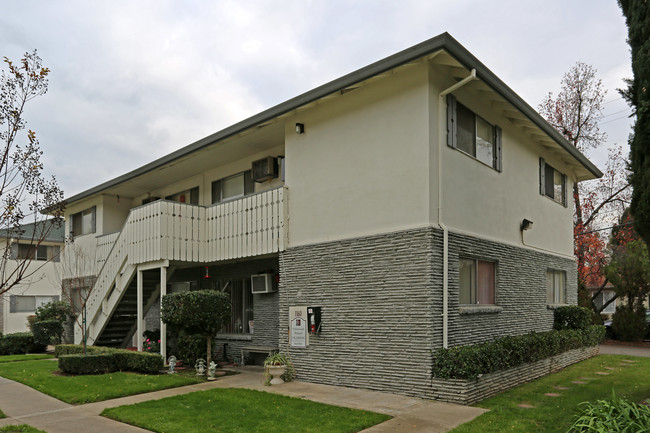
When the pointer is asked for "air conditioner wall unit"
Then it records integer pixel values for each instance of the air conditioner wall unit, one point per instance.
(265, 169)
(262, 283)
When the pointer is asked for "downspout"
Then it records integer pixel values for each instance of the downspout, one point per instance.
(445, 231)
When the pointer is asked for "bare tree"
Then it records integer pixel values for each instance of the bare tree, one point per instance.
(25, 193)
(576, 112)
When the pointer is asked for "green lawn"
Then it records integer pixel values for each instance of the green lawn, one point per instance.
(30, 357)
(555, 414)
(23, 428)
(85, 389)
(242, 411)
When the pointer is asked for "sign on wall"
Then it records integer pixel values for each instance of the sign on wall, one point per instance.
(298, 327)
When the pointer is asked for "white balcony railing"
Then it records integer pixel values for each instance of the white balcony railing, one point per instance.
(166, 230)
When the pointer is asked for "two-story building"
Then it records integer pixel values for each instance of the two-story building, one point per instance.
(33, 253)
(414, 204)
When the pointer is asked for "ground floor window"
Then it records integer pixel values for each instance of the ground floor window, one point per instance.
(241, 300)
(555, 287)
(603, 298)
(477, 281)
(28, 304)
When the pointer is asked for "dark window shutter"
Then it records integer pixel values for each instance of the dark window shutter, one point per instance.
(249, 183)
(542, 176)
(451, 120)
(564, 191)
(194, 196)
(93, 221)
(497, 154)
(216, 191)
(12, 303)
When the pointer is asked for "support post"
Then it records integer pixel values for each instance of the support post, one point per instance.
(163, 326)
(139, 330)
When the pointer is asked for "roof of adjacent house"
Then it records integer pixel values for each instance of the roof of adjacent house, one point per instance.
(443, 42)
(53, 231)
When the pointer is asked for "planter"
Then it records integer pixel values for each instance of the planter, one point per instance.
(276, 371)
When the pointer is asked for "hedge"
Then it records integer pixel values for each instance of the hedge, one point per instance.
(99, 360)
(19, 343)
(571, 317)
(47, 331)
(468, 362)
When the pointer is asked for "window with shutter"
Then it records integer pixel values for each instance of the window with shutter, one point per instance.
(552, 183)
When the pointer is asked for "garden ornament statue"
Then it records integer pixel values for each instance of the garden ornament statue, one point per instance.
(172, 364)
(212, 370)
(200, 367)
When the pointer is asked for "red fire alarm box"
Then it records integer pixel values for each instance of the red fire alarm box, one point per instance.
(314, 319)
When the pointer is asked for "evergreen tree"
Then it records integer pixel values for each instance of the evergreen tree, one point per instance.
(637, 15)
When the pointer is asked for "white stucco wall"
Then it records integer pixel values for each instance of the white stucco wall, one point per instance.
(361, 167)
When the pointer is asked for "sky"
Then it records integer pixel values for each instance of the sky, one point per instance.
(134, 80)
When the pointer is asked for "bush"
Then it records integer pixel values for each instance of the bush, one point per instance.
(571, 317)
(616, 415)
(47, 331)
(190, 347)
(19, 343)
(74, 349)
(469, 362)
(54, 310)
(629, 324)
(106, 360)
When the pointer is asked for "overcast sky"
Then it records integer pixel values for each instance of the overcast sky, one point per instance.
(134, 80)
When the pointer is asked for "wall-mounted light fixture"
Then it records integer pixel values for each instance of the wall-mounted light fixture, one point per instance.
(526, 224)
(300, 128)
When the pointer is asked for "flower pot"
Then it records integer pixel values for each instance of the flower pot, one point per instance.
(276, 371)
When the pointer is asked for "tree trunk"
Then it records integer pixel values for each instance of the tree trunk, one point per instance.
(209, 357)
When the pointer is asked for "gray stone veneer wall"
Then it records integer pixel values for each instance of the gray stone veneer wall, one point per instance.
(377, 322)
(381, 299)
(520, 290)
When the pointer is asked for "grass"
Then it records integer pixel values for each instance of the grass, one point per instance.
(555, 414)
(86, 389)
(23, 428)
(30, 357)
(242, 411)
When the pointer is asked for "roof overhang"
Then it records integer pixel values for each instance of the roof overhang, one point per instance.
(443, 42)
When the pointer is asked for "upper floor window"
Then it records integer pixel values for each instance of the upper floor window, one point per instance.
(552, 183)
(35, 252)
(472, 134)
(477, 281)
(190, 196)
(555, 287)
(83, 223)
(238, 185)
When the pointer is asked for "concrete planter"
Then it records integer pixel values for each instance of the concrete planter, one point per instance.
(471, 391)
(276, 372)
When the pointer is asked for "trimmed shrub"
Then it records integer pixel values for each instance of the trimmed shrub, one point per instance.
(190, 347)
(74, 349)
(19, 343)
(47, 331)
(107, 360)
(571, 317)
(469, 362)
(629, 324)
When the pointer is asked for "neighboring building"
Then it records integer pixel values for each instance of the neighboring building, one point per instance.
(41, 285)
(413, 204)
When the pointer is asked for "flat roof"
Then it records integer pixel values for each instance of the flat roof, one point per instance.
(443, 41)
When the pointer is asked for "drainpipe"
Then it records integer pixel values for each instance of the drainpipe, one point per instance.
(445, 231)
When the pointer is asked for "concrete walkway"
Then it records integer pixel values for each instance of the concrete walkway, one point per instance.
(24, 405)
(619, 349)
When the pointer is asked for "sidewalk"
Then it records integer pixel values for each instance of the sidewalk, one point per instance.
(24, 405)
(619, 349)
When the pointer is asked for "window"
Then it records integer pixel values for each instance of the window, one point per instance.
(238, 185)
(552, 183)
(190, 196)
(472, 134)
(241, 305)
(28, 304)
(83, 223)
(477, 281)
(604, 297)
(555, 287)
(35, 252)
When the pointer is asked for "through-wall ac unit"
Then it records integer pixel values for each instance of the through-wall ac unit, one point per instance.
(262, 283)
(265, 169)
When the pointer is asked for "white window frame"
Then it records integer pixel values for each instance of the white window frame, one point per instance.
(556, 287)
(217, 187)
(474, 282)
(86, 219)
(452, 134)
(38, 301)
